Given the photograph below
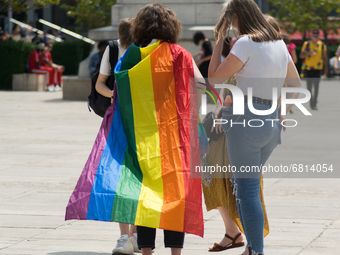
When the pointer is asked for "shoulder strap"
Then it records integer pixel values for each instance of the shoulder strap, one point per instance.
(113, 58)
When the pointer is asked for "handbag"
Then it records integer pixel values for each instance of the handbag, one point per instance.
(206, 176)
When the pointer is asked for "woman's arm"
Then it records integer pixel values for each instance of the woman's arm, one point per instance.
(227, 68)
(101, 86)
(104, 73)
(198, 54)
(199, 62)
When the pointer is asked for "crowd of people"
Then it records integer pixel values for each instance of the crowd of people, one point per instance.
(235, 60)
(40, 59)
(254, 38)
(27, 34)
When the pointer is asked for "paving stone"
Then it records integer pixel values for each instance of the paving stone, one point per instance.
(45, 142)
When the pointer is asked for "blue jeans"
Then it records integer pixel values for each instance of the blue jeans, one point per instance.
(249, 148)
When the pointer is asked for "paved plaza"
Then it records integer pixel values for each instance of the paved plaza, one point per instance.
(45, 142)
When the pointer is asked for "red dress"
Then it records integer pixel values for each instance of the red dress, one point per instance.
(58, 75)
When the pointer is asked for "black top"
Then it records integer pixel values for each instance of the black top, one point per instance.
(207, 51)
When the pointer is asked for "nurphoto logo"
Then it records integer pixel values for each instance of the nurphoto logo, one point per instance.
(238, 104)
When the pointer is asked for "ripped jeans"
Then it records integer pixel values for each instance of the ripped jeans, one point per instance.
(249, 147)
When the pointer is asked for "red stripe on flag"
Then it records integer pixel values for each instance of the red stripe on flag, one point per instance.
(187, 124)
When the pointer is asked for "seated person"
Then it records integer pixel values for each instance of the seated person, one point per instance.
(96, 58)
(58, 69)
(35, 66)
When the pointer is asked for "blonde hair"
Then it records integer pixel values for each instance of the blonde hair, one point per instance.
(273, 22)
(250, 21)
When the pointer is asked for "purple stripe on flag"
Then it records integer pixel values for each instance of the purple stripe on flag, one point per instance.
(78, 204)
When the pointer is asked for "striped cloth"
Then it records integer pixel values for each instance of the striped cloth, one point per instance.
(139, 170)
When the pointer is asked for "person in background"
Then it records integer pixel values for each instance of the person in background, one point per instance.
(35, 66)
(94, 64)
(205, 54)
(290, 46)
(45, 37)
(204, 57)
(56, 33)
(314, 53)
(58, 69)
(2, 34)
(127, 242)
(16, 34)
(337, 56)
(37, 38)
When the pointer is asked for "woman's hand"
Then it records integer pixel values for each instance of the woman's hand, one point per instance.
(112, 97)
(199, 62)
(218, 128)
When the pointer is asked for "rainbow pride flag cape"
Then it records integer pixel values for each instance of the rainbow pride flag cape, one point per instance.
(139, 169)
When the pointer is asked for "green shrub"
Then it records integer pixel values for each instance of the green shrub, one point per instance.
(70, 54)
(14, 59)
(15, 55)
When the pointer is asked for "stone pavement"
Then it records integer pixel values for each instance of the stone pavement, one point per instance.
(45, 141)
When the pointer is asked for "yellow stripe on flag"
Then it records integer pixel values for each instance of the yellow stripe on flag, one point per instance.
(148, 148)
(144, 52)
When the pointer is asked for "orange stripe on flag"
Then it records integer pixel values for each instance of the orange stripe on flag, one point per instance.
(172, 216)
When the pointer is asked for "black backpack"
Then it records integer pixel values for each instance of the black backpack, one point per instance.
(97, 102)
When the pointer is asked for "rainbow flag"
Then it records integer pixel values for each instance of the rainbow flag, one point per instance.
(139, 169)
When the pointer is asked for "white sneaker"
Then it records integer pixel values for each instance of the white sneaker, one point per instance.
(124, 246)
(50, 88)
(134, 243)
(57, 88)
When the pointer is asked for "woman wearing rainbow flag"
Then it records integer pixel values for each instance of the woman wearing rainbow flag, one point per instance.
(141, 166)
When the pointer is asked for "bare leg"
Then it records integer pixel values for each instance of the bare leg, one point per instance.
(124, 229)
(231, 228)
(176, 251)
(133, 229)
(146, 251)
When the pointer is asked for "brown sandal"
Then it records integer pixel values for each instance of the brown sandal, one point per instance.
(218, 247)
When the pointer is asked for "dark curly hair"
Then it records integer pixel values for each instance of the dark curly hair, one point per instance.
(198, 36)
(155, 21)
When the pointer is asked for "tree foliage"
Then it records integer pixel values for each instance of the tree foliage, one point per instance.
(25, 5)
(90, 14)
(302, 15)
